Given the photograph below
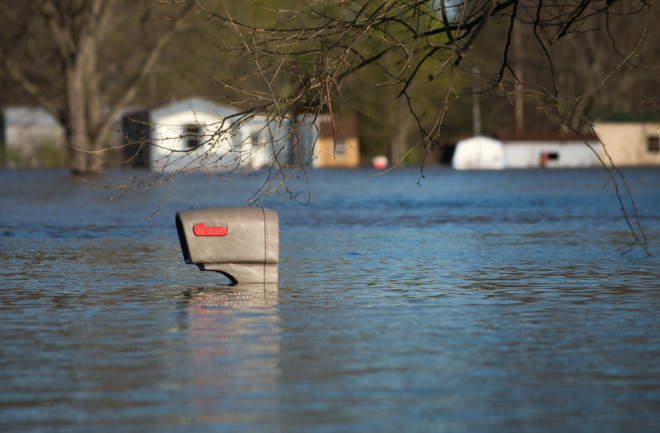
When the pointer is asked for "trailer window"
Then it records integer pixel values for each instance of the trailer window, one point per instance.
(192, 135)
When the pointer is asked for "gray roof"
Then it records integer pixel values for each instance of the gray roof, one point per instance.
(29, 116)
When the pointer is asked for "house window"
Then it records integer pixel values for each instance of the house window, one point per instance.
(653, 144)
(340, 149)
(254, 140)
(192, 136)
(546, 157)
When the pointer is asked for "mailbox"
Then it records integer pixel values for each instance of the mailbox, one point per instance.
(241, 243)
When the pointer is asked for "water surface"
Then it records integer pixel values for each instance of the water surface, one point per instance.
(478, 301)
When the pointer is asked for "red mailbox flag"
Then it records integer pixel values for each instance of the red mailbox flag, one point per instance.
(203, 230)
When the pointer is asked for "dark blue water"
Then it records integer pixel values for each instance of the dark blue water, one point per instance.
(476, 302)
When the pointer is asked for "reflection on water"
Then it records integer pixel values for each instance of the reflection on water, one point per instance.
(234, 346)
(480, 301)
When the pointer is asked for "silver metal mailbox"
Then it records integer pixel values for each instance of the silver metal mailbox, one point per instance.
(240, 242)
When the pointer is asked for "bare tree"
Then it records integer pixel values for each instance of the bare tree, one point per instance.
(59, 53)
(305, 55)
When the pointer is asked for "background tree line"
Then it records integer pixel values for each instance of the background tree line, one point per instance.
(405, 69)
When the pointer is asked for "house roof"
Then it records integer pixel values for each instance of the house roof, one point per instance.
(628, 117)
(480, 140)
(544, 136)
(194, 104)
(345, 126)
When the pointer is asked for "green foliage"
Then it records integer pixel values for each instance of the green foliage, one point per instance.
(46, 154)
(51, 155)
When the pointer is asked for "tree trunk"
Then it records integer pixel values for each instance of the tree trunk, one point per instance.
(84, 116)
(402, 126)
(76, 125)
(95, 132)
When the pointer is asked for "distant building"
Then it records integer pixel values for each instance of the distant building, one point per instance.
(549, 150)
(327, 142)
(260, 140)
(479, 153)
(197, 134)
(528, 150)
(31, 138)
(631, 139)
(187, 135)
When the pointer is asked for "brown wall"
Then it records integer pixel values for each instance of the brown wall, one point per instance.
(328, 158)
(328, 153)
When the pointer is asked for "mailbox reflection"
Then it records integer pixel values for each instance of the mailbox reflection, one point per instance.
(234, 339)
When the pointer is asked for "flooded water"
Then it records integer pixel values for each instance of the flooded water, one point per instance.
(476, 302)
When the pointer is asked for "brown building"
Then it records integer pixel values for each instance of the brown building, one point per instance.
(329, 141)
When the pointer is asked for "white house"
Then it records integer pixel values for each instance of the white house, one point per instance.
(258, 141)
(188, 134)
(197, 134)
(550, 150)
(529, 150)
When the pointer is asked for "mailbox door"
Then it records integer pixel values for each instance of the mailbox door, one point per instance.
(229, 235)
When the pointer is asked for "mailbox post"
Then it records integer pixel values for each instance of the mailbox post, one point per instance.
(241, 243)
